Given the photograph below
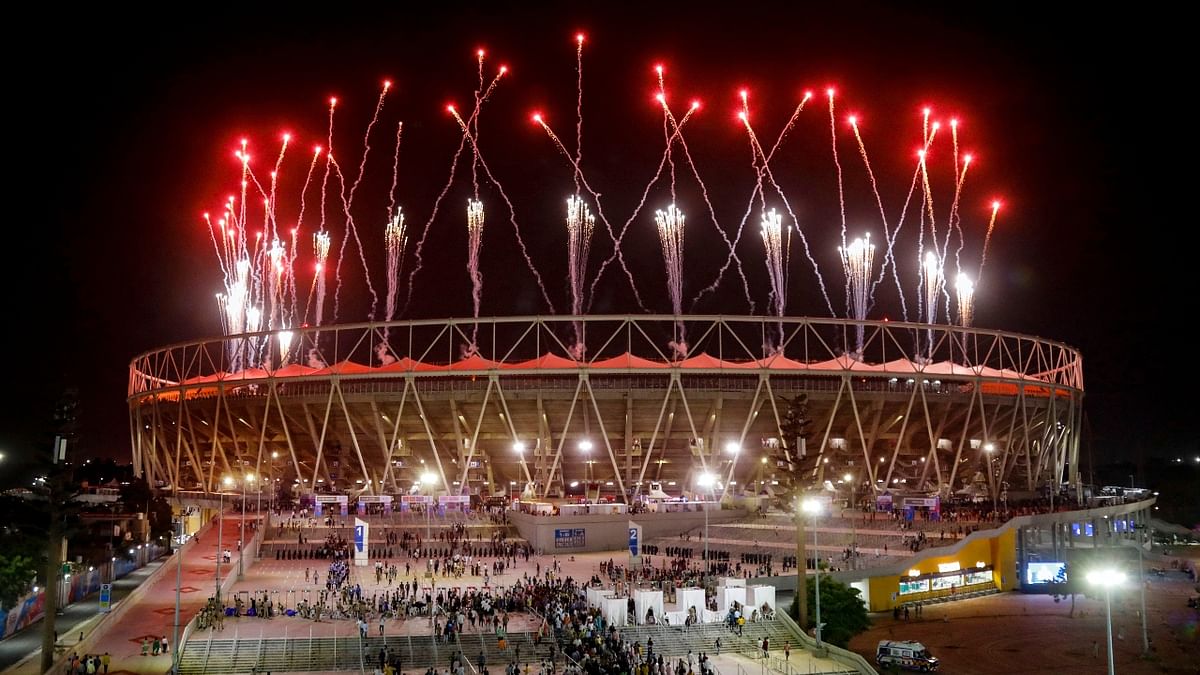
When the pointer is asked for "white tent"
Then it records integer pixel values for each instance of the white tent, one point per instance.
(645, 600)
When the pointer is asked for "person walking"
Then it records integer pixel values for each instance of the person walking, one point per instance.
(105, 660)
(787, 651)
(718, 645)
(765, 646)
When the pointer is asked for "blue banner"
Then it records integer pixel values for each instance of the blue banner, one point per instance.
(633, 541)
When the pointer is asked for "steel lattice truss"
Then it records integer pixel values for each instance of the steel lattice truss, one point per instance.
(369, 407)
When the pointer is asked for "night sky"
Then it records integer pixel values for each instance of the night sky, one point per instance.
(120, 151)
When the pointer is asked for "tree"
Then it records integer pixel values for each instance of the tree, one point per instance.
(842, 611)
(17, 573)
(284, 496)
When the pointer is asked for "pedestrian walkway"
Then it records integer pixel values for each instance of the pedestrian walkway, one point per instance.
(77, 617)
(153, 613)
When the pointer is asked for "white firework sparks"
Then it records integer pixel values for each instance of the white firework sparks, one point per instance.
(772, 235)
(670, 235)
(395, 238)
(858, 263)
(474, 241)
(965, 289)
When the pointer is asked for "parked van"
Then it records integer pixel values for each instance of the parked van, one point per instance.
(905, 654)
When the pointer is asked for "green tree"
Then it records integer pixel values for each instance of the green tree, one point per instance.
(285, 497)
(17, 573)
(842, 611)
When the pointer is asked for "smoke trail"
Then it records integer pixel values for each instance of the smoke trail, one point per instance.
(475, 221)
(617, 254)
(347, 202)
(678, 135)
(394, 235)
(887, 236)
(841, 191)
(462, 144)
(296, 230)
(512, 213)
(351, 231)
(766, 172)
(987, 239)
(578, 108)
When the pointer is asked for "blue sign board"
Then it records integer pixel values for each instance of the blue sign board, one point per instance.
(572, 537)
(106, 597)
(358, 538)
(633, 541)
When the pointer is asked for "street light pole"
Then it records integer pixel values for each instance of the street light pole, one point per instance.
(178, 583)
(1142, 589)
(248, 478)
(1107, 578)
(225, 482)
(706, 480)
(813, 507)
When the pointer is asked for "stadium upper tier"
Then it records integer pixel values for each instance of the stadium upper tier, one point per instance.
(610, 402)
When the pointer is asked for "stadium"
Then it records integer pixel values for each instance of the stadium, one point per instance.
(604, 406)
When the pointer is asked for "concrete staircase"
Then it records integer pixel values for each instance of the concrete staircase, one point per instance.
(228, 656)
(676, 641)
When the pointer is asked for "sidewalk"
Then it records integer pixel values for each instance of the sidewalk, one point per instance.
(153, 615)
(76, 617)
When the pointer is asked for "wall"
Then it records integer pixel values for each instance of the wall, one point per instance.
(996, 547)
(32, 607)
(611, 532)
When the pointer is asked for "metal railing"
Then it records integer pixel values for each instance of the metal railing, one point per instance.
(845, 656)
(734, 345)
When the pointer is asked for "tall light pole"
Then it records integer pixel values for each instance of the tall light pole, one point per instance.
(271, 483)
(248, 478)
(706, 480)
(1107, 579)
(813, 508)
(226, 482)
(428, 479)
(585, 446)
(178, 583)
(1142, 589)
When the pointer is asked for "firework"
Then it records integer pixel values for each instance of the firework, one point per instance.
(321, 249)
(670, 235)
(580, 225)
(712, 213)
(772, 235)
(258, 262)
(858, 261)
(764, 169)
(395, 238)
(474, 241)
(512, 211)
(965, 290)
(932, 278)
(987, 240)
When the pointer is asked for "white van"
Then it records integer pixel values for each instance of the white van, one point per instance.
(905, 654)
